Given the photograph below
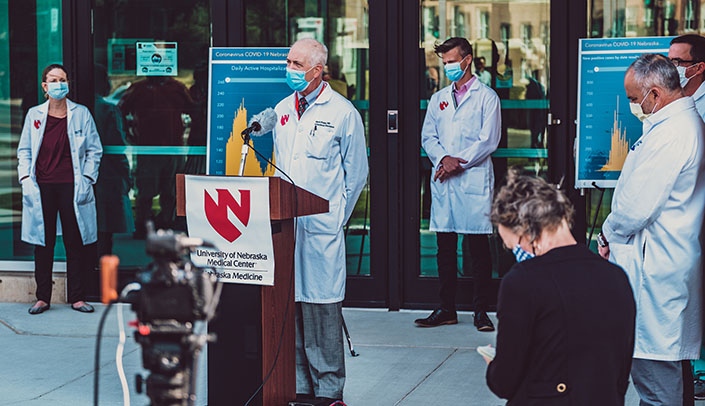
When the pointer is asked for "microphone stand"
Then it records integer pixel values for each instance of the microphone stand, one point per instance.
(255, 126)
(243, 153)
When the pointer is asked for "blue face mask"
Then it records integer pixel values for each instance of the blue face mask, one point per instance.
(453, 71)
(521, 254)
(296, 79)
(57, 90)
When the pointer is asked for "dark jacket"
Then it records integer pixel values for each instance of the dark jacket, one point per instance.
(566, 331)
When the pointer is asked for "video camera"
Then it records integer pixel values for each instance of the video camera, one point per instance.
(170, 295)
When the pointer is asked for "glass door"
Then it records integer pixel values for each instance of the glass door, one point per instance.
(511, 43)
(150, 114)
(344, 27)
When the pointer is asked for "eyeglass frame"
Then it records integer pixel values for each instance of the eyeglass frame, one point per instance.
(678, 61)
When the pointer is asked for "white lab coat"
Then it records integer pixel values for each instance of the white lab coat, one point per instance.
(324, 153)
(654, 228)
(472, 131)
(699, 99)
(86, 151)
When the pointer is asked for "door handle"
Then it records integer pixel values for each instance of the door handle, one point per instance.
(392, 121)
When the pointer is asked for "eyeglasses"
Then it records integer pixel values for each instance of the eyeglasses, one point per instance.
(679, 61)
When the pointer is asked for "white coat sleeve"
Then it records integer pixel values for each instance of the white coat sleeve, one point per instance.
(94, 149)
(641, 197)
(353, 150)
(24, 149)
(490, 133)
(430, 139)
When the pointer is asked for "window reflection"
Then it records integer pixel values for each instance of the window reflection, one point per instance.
(512, 38)
(510, 41)
(636, 18)
(160, 119)
(643, 18)
(343, 26)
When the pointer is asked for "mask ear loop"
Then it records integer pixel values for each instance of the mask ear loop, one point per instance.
(655, 105)
(696, 73)
(644, 99)
(534, 246)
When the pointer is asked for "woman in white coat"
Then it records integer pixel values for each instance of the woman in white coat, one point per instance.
(58, 157)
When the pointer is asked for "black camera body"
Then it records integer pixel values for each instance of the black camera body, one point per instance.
(173, 295)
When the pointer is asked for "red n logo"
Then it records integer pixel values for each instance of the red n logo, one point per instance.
(217, 213)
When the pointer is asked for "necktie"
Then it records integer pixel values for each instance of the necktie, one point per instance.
(302, 105)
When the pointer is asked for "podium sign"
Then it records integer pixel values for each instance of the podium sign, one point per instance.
(254, 359)
(233, 214)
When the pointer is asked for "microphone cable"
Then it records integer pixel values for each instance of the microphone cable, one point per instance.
(119, 351)
(118, 357)
(96, 358)
(291, 281)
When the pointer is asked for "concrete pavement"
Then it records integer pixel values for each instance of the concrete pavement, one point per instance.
(48, 359)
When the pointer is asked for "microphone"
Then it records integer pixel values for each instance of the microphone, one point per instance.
(254, 127)
(261, 123)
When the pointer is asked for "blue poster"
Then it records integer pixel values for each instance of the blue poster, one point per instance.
(243, 82)
(606, 129)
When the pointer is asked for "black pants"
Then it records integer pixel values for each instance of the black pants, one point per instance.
(57, 198)
(477, 262)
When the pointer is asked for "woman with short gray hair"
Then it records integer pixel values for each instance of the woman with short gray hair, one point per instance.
(566, 317)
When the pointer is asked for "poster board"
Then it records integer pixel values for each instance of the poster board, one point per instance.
(606, 129)
(243, 82)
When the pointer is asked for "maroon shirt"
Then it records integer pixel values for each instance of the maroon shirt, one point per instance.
(54, 164)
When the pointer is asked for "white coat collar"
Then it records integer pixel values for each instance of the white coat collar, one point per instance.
(44, 107)
(448, 91)
(668, 111)
(324, 97)
(700, 92)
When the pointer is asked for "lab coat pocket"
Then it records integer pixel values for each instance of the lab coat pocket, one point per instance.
(30, 193)
(79, 141)
(84, 192)
(475, 181)
(318, 143)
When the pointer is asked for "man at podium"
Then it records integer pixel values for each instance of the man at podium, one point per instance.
(319, 141)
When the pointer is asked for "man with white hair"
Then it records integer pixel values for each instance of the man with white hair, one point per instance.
(319, 141)
(654, 227)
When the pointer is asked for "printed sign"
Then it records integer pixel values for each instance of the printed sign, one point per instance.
(156, 58)
(243, 82)
(606, 128)
(233, 214)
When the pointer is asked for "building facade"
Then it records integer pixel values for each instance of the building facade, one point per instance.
(380, 57)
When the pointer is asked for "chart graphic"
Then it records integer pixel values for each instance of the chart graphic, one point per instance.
(619, 147)
(605, 126)
(243, 82)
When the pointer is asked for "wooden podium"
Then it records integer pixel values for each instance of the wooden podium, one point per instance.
(255, 324)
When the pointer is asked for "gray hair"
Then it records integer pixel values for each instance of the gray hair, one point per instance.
(317, 52)
(655, 70)
(527, 205)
